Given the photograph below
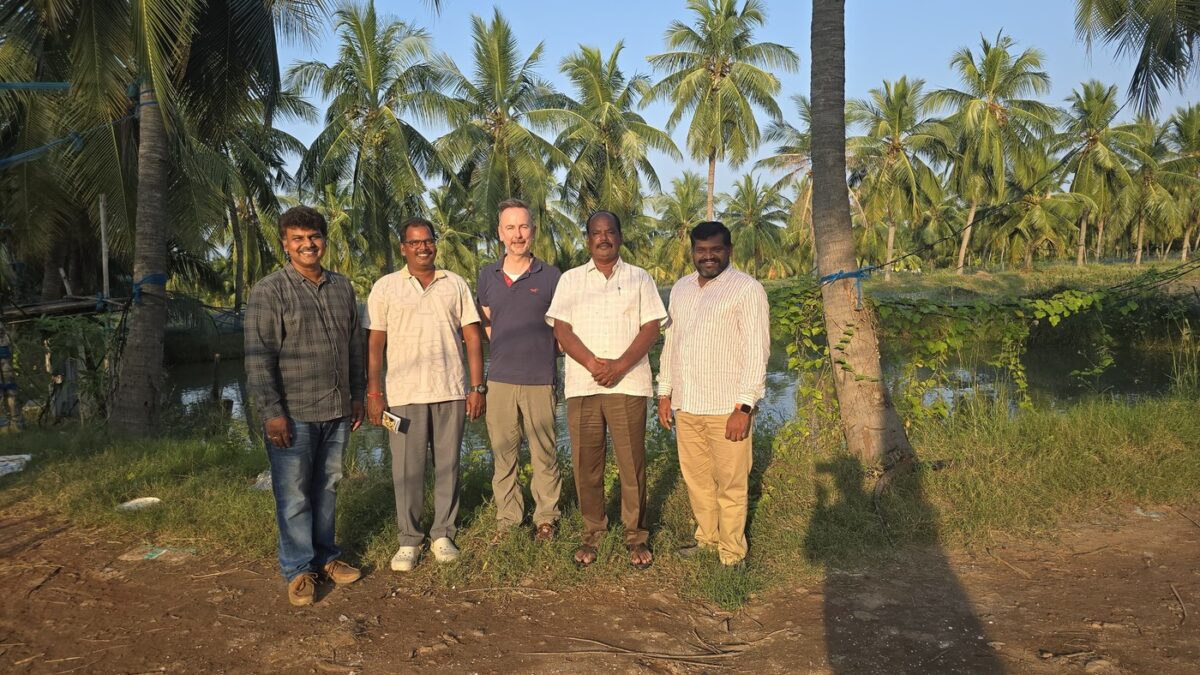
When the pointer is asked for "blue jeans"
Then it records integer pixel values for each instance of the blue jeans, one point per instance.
(304, 478)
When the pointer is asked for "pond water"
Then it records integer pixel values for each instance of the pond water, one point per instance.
(1137, 374)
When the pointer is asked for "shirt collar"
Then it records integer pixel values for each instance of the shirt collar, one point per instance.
(725, 274)
(535, 265)
(290, 271)
(591, 265)
(438, 273)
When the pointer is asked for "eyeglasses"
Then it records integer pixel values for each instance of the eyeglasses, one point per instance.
(418, 243)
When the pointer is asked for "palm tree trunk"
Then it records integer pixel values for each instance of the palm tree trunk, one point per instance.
(1166, 251)
(135, 410)
(239, 253)
(1081, 249)
(891, 245)
(1141, 229)
(870, 424)
(712, 179)
(966, 238)
(1100, 240)
(1187, 237)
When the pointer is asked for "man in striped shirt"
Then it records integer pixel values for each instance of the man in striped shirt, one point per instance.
(712, 375)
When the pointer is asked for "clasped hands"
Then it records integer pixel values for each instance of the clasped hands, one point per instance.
(606, 372)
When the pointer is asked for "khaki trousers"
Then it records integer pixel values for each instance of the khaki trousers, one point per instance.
(624, 417)
(717, 474)
(512, 408)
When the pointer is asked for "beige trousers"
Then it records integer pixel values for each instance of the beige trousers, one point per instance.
(511, 410)
(717, 474)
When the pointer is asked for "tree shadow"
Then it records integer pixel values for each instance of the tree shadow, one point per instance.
(907, 614)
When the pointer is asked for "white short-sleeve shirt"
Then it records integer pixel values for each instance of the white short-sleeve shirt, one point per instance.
(424, 335)
(606, 313)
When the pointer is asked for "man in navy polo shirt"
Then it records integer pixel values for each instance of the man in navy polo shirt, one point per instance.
(514, 294)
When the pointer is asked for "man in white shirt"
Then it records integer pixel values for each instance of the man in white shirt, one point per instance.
(712, 374)
(421, 316)
(606, 316)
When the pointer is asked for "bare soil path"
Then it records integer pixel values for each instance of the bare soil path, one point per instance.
(1119, 595)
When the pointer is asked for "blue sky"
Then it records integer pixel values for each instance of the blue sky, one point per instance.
(884, 40)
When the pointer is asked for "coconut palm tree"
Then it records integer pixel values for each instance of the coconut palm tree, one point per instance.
(1035, 214)
(757, 215)
(186, 55)
(1095, 159)
(605, 139)
(493, 142)
(1164, 36)
(253, 169)
(678, 211)
(716, 73)
(792, 159)
(1185, 138)
(870, 425)
(897, 182)
(992, 120)
(1158, 175)
(383, 80)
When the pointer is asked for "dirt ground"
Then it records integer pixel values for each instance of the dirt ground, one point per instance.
(1118, 595)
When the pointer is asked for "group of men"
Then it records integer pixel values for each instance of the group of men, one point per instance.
(313, 380)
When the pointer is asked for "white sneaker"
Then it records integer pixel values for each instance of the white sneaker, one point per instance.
(444, 550)
(406, 558)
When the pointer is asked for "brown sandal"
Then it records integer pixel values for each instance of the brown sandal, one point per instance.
(589, 555)
(635, 549)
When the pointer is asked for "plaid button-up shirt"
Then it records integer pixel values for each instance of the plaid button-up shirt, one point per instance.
(304, 347)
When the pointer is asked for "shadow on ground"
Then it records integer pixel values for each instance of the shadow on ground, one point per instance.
(917, 618)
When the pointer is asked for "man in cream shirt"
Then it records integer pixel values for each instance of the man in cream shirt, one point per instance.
(421, 316)
(712, 374)
(606, 315)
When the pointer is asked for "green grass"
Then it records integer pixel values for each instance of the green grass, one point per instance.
(1004, 475)
(1044, 280)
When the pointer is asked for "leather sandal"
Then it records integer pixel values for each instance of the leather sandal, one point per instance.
(588, 551)
(635, 549)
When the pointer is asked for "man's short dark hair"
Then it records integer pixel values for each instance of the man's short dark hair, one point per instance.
(709, 229)
(415, 221)
(512, 203)
(616, 220)
(302, 218)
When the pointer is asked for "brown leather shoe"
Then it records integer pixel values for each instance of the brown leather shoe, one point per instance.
(544, 532)
(300, 589)
(341, 573)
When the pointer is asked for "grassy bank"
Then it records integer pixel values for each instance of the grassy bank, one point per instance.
(1000, 476)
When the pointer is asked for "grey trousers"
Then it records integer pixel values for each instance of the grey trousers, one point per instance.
(439, 424)
(513, 408)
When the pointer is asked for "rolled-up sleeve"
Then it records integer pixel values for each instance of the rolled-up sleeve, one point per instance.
(263, 339)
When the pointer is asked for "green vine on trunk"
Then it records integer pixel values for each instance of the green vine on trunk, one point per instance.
(937, 334)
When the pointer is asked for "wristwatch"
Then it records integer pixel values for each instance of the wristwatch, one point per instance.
(480, 389)
(745, 408)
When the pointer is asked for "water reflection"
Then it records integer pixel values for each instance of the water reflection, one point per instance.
(1139, 373)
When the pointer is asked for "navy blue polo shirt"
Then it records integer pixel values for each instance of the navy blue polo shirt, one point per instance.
(522, 344)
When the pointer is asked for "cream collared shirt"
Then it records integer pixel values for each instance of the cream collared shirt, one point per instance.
(606, 313)
(424, 335)
(718, 341)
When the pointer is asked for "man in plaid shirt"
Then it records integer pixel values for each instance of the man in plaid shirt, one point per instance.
(304, 364)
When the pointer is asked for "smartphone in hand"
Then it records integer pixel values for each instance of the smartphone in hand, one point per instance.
(395, 423)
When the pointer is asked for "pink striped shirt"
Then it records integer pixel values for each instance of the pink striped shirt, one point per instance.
(718, 340)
